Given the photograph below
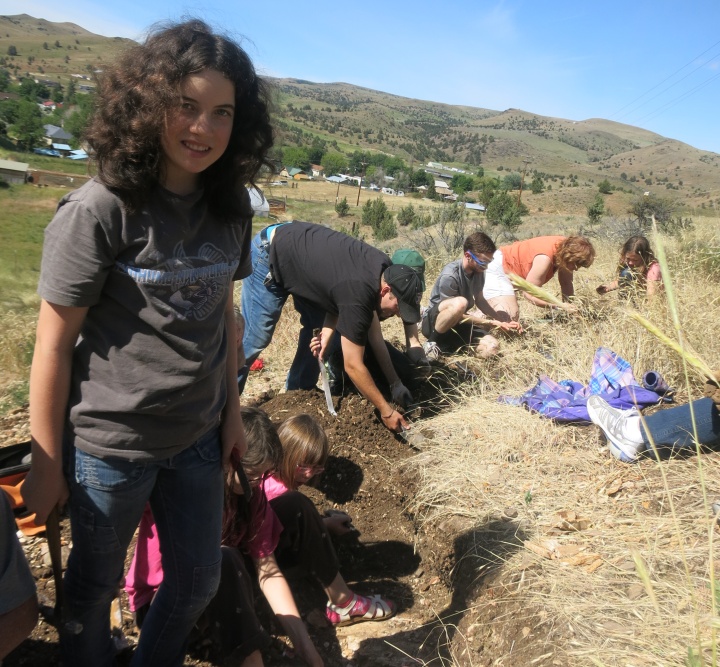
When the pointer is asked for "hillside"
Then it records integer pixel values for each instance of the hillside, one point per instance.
(355, 118)
(350, 118)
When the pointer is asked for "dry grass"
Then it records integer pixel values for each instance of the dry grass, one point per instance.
(618, 556)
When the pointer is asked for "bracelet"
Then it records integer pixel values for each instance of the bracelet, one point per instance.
(388, 417)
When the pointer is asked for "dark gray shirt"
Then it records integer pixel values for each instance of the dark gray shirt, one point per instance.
(453, 281)
(148, 375)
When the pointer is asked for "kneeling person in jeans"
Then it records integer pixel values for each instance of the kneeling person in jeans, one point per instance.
(458, 314)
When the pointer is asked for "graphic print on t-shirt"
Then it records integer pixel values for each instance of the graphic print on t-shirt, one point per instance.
(192, 285)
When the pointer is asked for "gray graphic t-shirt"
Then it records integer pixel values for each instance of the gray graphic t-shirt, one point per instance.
(149, 369)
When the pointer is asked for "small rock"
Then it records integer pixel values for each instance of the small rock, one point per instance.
(635, 591)
(510, 512)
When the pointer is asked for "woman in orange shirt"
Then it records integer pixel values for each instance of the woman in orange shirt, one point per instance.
(536, 260)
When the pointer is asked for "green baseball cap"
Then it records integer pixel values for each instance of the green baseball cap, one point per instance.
(413, 259)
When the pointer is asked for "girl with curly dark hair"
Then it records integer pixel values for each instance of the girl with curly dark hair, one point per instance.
(134, 378)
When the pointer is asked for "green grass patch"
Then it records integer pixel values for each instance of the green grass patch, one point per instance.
(26, 213)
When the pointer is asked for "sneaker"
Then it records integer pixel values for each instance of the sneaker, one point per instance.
(612, 422)
(431, 350)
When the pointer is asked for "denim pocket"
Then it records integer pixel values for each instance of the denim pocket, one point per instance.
(102, 539)
(111, 474)
(208, 446)
(206, 581)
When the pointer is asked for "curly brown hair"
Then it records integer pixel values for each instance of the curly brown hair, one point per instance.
(134, 97)
(576, 250)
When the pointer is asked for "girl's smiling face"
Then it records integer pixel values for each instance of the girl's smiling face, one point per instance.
(198, 131)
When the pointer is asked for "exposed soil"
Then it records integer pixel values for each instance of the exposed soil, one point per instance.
(421, 568)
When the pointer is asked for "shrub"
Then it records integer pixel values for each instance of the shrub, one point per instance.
(375, 213)
(596, 209)
(342, 208)
(407, 216)
(604, 187)
(503, 211)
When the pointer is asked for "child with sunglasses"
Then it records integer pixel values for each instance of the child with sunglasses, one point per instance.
(304, 541)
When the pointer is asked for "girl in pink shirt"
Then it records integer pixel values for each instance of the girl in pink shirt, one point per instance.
(305, 540)
(638, 268)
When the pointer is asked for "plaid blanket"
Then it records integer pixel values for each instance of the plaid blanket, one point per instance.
(566, 401)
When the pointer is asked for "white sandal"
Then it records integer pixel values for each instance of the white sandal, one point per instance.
(358, 609)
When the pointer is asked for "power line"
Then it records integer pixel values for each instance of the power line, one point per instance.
(666, 79)
(664, 90)
(678, 99)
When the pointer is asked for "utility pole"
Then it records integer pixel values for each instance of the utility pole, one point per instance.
(526, 162)
(362, 175)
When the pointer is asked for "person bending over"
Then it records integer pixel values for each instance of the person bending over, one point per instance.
(536, 260)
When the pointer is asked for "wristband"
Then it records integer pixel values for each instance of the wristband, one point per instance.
(388, 417)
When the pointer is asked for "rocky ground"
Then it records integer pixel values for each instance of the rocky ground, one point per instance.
(421, 569)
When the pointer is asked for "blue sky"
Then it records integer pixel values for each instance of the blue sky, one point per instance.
(654, 64)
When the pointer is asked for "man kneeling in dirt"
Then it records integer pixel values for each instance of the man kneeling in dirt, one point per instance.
(337, 283)
(458, 315)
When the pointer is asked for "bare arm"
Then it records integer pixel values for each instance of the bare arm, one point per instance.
(654, 287)
(275, 588)
(489, 317)
(412, 338)
(232, 431)
(608, 287)
(565, 278)
(58, 329)
(377, 344)
(361, 378)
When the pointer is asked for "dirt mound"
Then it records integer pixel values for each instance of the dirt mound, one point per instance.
(421, 569)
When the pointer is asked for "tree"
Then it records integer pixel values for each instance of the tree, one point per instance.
(461, 183)
(503, 211)
(375, 213)
(28, 127)
(31, 91)
(431, 191)
(317, 150)
(604, 187)
(480, 172)
(333, 163)
(70, 92)
(12, 51)
(487, 189)
(4, 80)
(296, 156)
(342, 208)
(537, 185)
(643, 208)
(407, 215)
(596, 209)
(76, 123)
(512, 181)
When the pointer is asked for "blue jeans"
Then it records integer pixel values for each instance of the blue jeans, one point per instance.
(673, 428)
(262, 301)
(107, 497)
